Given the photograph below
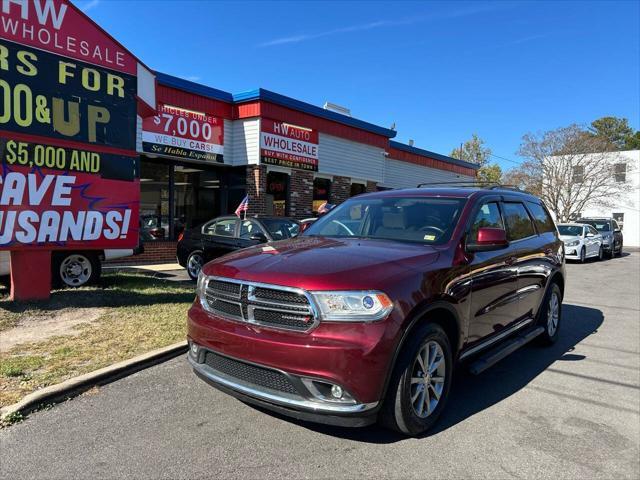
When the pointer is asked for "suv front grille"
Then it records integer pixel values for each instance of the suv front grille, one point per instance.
(268, 305)
(251, 374)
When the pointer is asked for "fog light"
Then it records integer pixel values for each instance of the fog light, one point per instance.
(336, 391)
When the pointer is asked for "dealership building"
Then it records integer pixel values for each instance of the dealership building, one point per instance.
(205, 150)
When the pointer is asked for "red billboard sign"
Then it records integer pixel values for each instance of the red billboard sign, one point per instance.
(288, 145)
(69, 173)
(182, 133)
(58, 27)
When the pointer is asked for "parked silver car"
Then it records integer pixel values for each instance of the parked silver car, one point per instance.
(581, 241)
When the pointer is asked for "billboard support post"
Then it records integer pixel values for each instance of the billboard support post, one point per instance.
(30, 275)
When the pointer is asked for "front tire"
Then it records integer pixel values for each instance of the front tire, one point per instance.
(620, 250)
(195, 261)
(75, 269)
(551, 315)
(583, 255)
(601, 253)
(420, 384)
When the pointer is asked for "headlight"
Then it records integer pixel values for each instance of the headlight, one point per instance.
(200, 288)
(572, 243)
(352, 306)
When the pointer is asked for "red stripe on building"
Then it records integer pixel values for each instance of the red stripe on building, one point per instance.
(190, 101)
(283, 114)
(395, 154)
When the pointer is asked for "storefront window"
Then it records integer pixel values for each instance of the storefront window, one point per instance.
(357, 189)
(197, 196)
(154, 201)
(321, 192)
(175, 196)
(277, 198)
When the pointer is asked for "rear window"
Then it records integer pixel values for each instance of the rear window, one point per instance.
(518, 222)
(541, 217)
(601, 226)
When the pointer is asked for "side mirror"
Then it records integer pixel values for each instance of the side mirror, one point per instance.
(489, 238)
(258, 237)
(590, 235)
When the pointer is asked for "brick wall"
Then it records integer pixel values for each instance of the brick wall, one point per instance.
(340, 189)
(372, 187)
(301, 194)
(154, 252)
(256, 189)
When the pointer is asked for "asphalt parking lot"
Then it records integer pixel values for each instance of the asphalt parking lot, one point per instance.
(570, 411)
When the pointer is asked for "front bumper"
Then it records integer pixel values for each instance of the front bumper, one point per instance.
(296, 406)
(353, 356)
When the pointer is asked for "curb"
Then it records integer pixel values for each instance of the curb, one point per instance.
(77, 385)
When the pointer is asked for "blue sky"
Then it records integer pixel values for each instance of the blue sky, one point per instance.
(440, 70)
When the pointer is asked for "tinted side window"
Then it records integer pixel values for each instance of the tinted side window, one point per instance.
(487, 216)
(248, 228)
(541, 217)
(518, 222)
(225, 228)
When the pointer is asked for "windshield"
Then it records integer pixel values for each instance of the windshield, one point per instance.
(600, 226)
(570, 230)
(409, 219)
(279, 229)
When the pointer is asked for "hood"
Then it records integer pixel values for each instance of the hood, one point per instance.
(321, 263)
(569, 238)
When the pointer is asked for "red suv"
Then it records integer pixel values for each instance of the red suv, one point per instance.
(365, 316)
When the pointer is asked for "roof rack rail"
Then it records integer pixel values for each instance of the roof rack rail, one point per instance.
(478, 184)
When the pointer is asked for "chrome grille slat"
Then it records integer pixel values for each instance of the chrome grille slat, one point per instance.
(266, 305)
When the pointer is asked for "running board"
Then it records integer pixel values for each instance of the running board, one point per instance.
(494, 356)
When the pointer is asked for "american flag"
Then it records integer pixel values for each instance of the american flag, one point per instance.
(243, 207)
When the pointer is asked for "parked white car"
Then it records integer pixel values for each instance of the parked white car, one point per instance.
(74, 268)
(581, 241)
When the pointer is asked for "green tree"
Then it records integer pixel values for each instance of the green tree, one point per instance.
(475, 151)
(633, 142)
(490, 173)
(614, 130)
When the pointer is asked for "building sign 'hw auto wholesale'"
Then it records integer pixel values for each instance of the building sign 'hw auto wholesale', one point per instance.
(288, 145)
(182, 133)
(69, 174)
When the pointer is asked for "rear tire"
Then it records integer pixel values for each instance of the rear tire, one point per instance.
(550, 315)
(75, 269)
(416, 398)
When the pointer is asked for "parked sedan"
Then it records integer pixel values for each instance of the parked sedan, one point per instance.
(611, 234)
(196, 246)
(581, 241)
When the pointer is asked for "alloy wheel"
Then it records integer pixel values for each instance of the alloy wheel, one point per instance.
(553, 314)
(194, 264)
(75, 270)
(427, 379)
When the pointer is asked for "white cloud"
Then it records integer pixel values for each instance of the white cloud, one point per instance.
(303, 37)
(85, 7)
